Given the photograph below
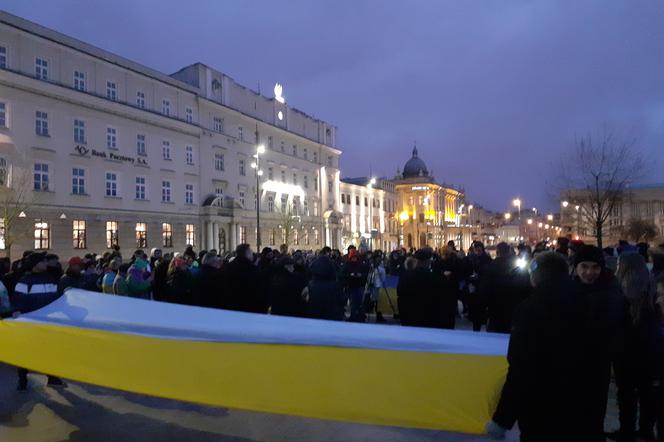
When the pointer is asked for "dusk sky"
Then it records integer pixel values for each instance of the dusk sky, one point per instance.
(492, 91)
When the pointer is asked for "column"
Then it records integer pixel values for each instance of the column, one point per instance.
(215, 236)
(209, 235)
(233, 237)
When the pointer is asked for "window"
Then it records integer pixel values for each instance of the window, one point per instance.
(315, 208)
(219, 161)
(41, 177)
(140, 145)
(243, 235)
(79, 80)
(166, 191)
(78, 181)
(111, 184)
(306, 237)
(272, 236)
(218, 124)
(189, 154)
(241, 198)
(283, 176)
(189, 194)
(296, 238)
(3, 115)
(270, 203)
(111, 234)
(283, 147)
(242, 168)
(141, 235)
(3, 172)
(270, 173)
(41, 123)
(42, 235)
(166, 107)
(284, 203)
(269, 142)
(357, 200)
(316, 184)
(219, 193)
(79, 131)
(166, 235)
(366, 202)
(140, 99)
(240, 134)
(111, 91)
(78, 231)
(189, 115)
(329, 161)
(315, 157)
(190, 234)
(2, 235)
(41, 69)
(3, 57)
(166, 150)
(140, 187)
(305, 208)
(111, 138)
(295, 179)
(294, 150)
(305, 154)
(316, 239)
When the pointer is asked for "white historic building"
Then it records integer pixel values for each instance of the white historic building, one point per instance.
(97, 150)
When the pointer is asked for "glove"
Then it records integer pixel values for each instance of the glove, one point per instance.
(495, 431)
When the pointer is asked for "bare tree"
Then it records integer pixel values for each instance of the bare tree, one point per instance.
(596, 176)
(289, 221)
(16, 196)
(641, 230)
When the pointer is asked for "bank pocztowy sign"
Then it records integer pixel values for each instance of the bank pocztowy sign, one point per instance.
(84, 151)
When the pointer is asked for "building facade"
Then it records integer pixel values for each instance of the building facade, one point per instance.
(97, 150)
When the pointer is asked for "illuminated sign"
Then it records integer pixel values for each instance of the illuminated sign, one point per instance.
(419, 188)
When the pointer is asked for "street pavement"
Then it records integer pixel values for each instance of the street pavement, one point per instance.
(84, 412)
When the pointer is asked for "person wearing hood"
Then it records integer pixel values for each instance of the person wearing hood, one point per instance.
(139, 280)
(323, 294)
(286, 290)
(73, 278)
(549, 386)
(241, 284)
(606, 312)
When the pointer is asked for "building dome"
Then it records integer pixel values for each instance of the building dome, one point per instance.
(415, 167)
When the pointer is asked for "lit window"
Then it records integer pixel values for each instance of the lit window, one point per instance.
(189, 194)
(189, 154)
(3, 114)
(111, 234)
(190, 234)
(166, 150)
(3, 57)
(111, 138)
(272, 236)
(141, 235)
(218, 124)
(79, 80)
(41, 69)
(140, 145)
(78, 181)
(166, 191)
(243, 234)
(242, 171)
(41, 123)
(189, 115)
(140, 99)
(140, 187)
(111, 184)
(111, 91)
(79, 234)
(166, 235)
(79, 131)
(41, 177)
(219, 161)
(270, 203)
(42, 235)
(166, 107)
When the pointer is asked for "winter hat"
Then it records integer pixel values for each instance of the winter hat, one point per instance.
(588, 253)
(75, 261)
(140, 264)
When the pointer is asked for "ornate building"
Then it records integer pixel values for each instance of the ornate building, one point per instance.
(429, 214)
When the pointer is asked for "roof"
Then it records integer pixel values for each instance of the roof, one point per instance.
(415, 167)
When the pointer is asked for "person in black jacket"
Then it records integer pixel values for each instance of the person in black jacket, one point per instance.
(34, 290)
(548, 389)
(209, 283)
(356, 272)
(286, 290)
(476, 263)
(324, 296)
(178, 282)
(73, 278)
(242, 289)
(424, 297)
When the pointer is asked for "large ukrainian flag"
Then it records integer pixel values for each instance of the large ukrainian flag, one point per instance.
(402, 376)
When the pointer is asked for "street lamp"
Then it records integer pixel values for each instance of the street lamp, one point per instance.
(549, 217)
(508, 216)
(256, 165)
(530, 220)
(565, 203)
(517, 203)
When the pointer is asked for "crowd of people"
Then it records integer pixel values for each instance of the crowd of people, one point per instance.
(575, 315)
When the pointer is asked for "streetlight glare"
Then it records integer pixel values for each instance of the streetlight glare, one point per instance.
(516, 202)
(404, 216)
(508, 215)
(565, 203)
(470, 207)
(549, 217)
(530, 220)
(372, 181)
(260, 149)
(253, 165)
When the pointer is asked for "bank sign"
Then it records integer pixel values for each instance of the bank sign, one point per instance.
(84, 151)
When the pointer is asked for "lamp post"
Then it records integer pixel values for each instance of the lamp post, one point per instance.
(403, 217)
(372, 182)
(256, 165)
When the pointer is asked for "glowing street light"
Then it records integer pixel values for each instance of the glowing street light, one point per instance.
(516, 202)
(530, 220)
(508, 216)
(549, 217)
(565, 203)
